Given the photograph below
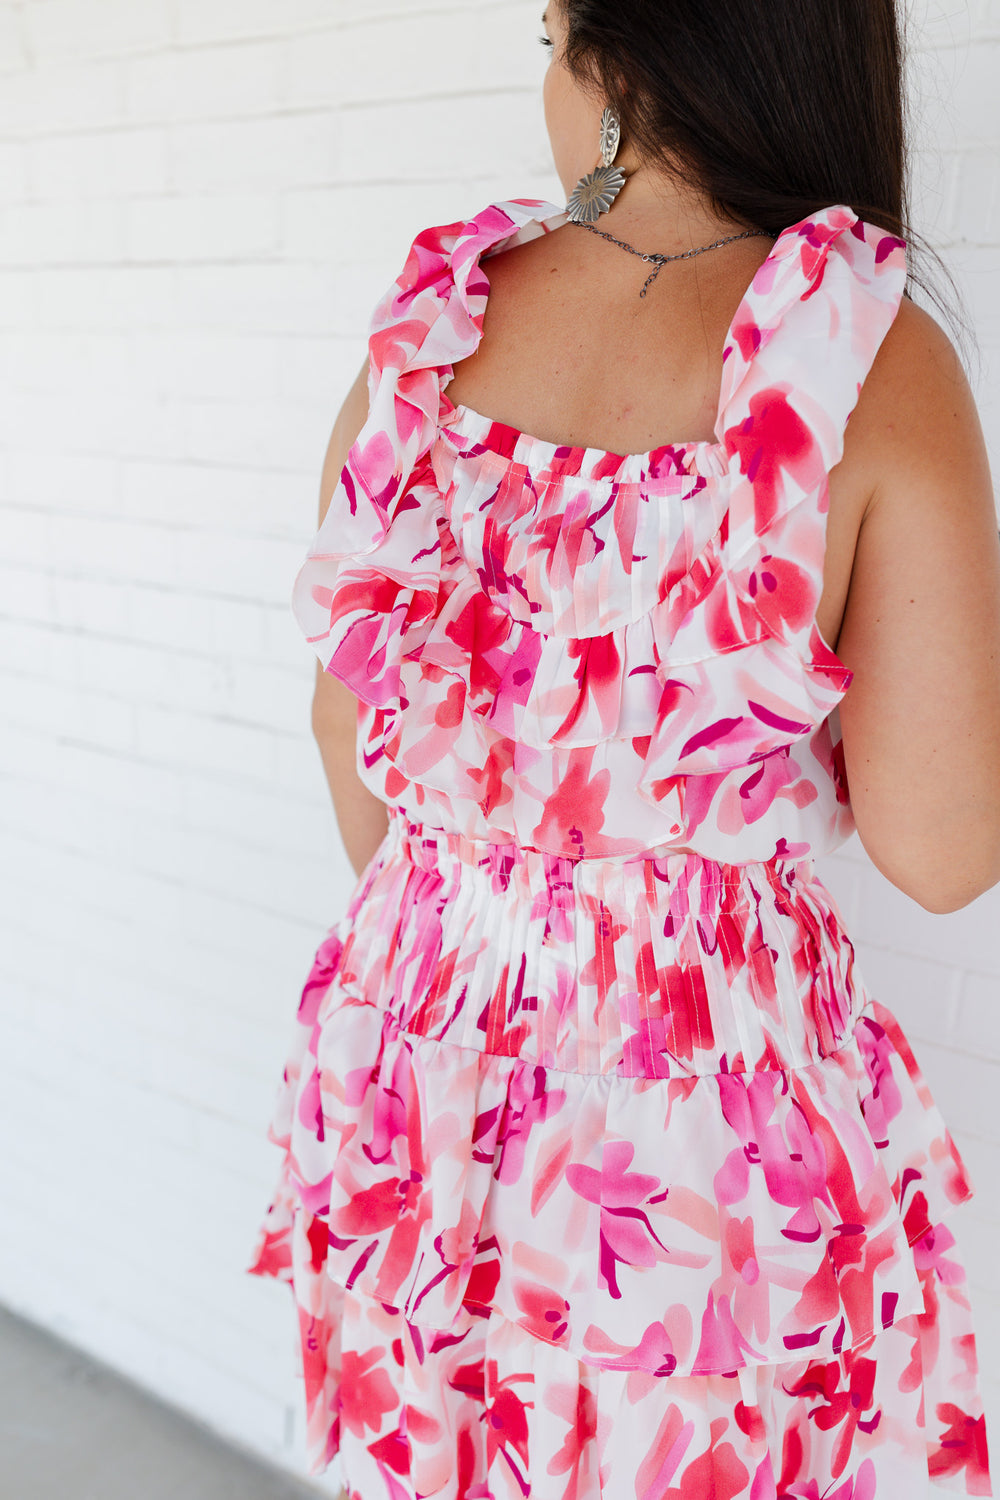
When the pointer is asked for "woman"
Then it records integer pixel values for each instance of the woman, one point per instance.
(605, 1174)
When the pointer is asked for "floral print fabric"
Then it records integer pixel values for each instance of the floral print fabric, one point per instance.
(593, 653)
(603, 1173)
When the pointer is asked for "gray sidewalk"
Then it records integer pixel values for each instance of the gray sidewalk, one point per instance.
(71, 1429)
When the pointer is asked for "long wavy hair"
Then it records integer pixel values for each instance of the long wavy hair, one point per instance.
(775, 110)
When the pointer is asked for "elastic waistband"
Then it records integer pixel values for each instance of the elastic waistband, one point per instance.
(442, 851)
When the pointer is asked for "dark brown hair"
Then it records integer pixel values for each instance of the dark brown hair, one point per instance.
(775, 108)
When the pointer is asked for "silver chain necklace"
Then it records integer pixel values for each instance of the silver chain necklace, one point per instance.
(661, 260)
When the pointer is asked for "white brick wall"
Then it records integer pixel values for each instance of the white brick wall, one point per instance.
(201, 200)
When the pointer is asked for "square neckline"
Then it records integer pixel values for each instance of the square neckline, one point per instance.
(704, 457)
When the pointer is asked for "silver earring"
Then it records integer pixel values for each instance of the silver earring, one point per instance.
(595, 193)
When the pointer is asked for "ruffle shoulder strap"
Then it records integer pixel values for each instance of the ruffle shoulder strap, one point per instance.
(431, 316)
(748, 672)
(831, 288)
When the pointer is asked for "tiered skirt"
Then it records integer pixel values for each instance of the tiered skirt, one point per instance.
(608, 1178)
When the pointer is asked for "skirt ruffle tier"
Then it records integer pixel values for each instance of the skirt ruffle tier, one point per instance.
(608, 1178)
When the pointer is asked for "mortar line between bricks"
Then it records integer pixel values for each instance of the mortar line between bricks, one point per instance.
(186, 882)
(333, 111)
(111, 862)
(136, 757)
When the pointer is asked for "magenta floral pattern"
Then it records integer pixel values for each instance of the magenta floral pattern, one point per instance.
(604, 1175)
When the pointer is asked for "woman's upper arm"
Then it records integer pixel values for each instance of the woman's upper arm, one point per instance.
(921, 627)
(335, 708)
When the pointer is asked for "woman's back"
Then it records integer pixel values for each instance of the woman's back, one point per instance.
(572, 354)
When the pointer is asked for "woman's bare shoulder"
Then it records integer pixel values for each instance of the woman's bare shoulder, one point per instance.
(916, 404)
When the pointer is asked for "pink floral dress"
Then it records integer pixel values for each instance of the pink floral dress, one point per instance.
(604, 1175)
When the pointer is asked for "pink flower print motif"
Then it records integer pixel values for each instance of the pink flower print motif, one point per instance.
(771, 441)
(601, 970)
(390, 1116)
(506, 1421)
(883, 1102)
(795, 1169)
(814, 240)
(654, 1352)
(837, 1406)
(576, 1407)
(597, 675)
(962, 1446)
(755, 795)
(400, 1201)
(626, 1235)
(320, 977)
(783, 592)
(930, 1254)
(500, 1135)
(310, 1103)
(480, 1289)
(544, 1311)
(860, 1487)
(668, 1028)
(366, 1393)
(529, 1102)
(577, 803)
(717, 1472)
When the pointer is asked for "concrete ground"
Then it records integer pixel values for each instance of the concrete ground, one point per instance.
(71, 1429)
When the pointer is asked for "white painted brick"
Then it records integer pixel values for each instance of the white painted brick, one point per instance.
(272, 434)
(55, 482)
(205, 83)
(58, 29)
(373, 60)
(13, 173)
(344, 222)
(26, 593)
(258, 568)
(18, 299)
(305, 830)
(123, 297)
(978, 216)
(187, 739)
(74, 716)
(181, 621)
(201, 21)
(13, 53)
(99, 164)
(379, 144)
(227, 500)
(977, 1025)
(81, 94)
(220, 365)
(224, 226)
(81, 605)
(279, 299)
(890, 920)
(284, 151)
(982, 1158)
(978, 118)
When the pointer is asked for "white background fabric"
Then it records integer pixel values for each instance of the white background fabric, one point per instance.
(202, 201)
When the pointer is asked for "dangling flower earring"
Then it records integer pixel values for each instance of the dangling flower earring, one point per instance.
(595, 193)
